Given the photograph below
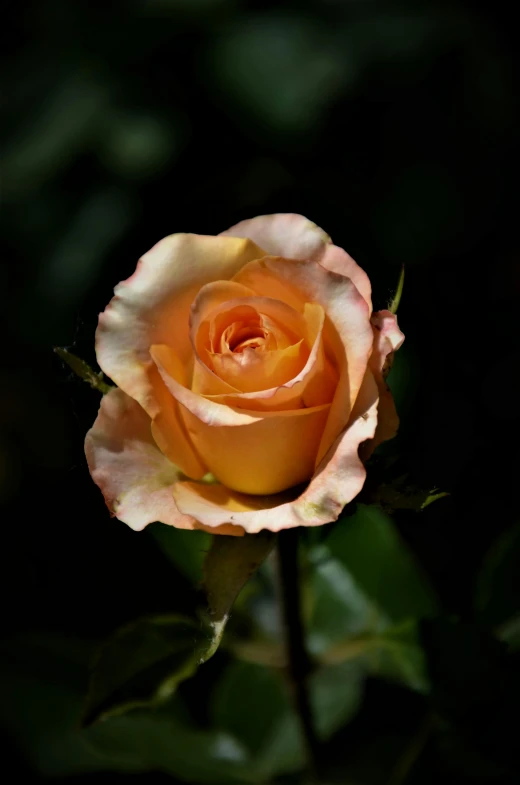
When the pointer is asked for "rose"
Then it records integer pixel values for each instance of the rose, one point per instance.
(253, 357)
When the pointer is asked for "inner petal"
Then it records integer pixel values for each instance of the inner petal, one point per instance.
(249, 344)
(250, 370)
(240, 335)
(227, 329)
(313, 386)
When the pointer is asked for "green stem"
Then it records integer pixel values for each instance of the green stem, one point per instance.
(298, 661)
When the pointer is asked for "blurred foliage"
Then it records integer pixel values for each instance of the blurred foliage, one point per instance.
(394, 126)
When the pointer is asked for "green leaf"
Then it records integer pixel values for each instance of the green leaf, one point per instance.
(247, 702)
(396, 492)
(369, 546)
(228, 566)
(394, 654)
(394, 305)
(143, 663)
(83, 370)
(509, 632)
(185, 549)
(345, 627)
(497, 595)
(253, 704)
(339, 608)
(42, 681)
(336, 693)
(360, 610)
(161, 741)
(397, 656)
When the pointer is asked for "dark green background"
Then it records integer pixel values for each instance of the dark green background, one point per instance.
(393, 125)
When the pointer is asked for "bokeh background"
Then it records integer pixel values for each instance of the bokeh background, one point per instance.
(393, 125)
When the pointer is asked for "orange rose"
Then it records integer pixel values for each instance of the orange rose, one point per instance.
(254, 357)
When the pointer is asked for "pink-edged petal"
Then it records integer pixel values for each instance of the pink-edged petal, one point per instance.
(295, 237)
(153, 306)
(348, 333)
(283, 234)
(388, 338)
(337, 480)
(338, 261)
(135, 478)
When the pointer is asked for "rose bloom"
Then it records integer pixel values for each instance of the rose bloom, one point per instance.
(249, 369)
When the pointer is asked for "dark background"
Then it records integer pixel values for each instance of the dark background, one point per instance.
(393, 125)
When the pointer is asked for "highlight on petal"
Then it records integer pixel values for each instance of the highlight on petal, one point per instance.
(135, 478)
(348, 333)
(283, 234)
(388, 338)
(337, 480)
(153, 306)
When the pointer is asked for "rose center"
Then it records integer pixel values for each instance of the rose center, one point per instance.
(239, 336)
(247, 338)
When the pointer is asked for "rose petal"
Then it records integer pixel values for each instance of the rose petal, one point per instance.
(245, 450)
(337, 481)
(283, 234)
(275, 453)
(387, 340)
(153, 306)
(338, 261)
(221, 373)
(295, 237)
(313, 385)
(213, 413)
(135, 478)
(348, 333)
(169, 430)
(252, 371)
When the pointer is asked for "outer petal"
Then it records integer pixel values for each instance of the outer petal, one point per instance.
(295, 237)
(153, 306)
(348, 333)
(283, 234)
(387, 340)
(338, 261)
(337, 481)
(134, 476)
